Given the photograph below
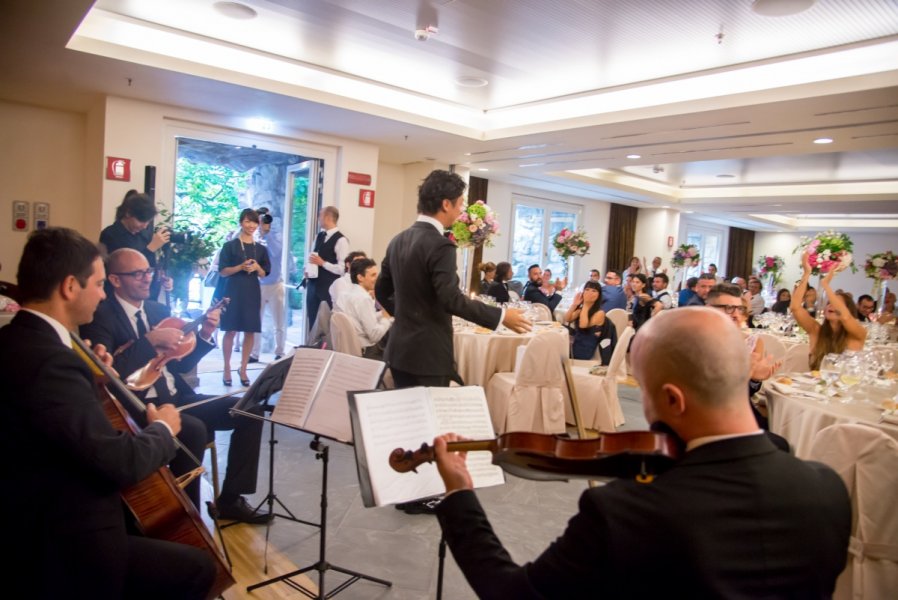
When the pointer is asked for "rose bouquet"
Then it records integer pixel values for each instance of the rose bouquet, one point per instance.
(475, 226)
(882, 266)
(827, 251)
(687, 255)
(770, 265)
(570, 243)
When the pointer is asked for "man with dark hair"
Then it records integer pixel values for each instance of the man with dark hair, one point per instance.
(371, 325)
(688, 292)
(533, 293)
(127, 323)
(328, 257)
(705, 282)
(595, 276)
(712, 269)
(67, 461)
(613, 295)
(344, 283)
(418, 284)
(734, 517)
(865, 307)
(659, 290)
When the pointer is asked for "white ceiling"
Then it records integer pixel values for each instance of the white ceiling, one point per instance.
(697, 88)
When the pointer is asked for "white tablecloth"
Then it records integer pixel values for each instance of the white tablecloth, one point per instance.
(478, 356)
(798, 418)
(600, 411)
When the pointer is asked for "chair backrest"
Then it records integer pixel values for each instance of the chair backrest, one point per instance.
(618, 316)
(865, 458)
(773, 346)
(540, 363)
(542, 310)
(796, 359)
(321, 328)
(344, 336)
(617, 364)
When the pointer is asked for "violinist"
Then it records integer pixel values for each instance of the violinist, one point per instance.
(125, 323)
(63, 461)
(702, 529)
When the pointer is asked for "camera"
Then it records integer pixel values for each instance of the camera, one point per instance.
(264, 215)
(179, 237)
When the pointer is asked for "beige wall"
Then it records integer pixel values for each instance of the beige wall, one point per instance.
(653, 227)
(42, 159)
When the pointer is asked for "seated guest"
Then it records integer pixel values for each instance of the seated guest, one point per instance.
(755, 300)
(499, 288)
(656, 267)
(840, 331)
(533, 293)
(865, 307)
(588, 324)
(371, 325)
(634, 267)
(809, 300)
(126, 323)
(642, 306)
(783, 299)
(517, 287)
(613, 295)
(702, 287)
(549, 287)
(740, 281)
(344, 283)
(888, 309)
(66, 461)
(684, 295)
(489, 274)
(699, 524)
(594, 275)
(712, 269)
(659, 290)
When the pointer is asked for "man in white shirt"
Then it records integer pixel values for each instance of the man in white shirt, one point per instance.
(659, 290)
(344, 284)
(371, 325)
(325, 264)
(756, 300)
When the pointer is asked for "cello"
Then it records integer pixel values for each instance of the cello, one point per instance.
(160, 507)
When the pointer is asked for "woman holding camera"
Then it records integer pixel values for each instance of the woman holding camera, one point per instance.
(241, 262)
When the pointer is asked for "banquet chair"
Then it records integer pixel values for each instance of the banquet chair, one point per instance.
(599, 401)
(542, 311)
(865, 459)
(773, 346)
(796, 359)
(320, 333)
(531, 399)
(618, 316)
(343, 335)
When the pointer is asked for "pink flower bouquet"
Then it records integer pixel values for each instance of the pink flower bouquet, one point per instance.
(882, 266)
(827, 251)
(687, 255)
(475, 226)
(770, 265)
(571, 243)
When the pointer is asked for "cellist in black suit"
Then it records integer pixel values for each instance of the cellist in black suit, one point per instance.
(64, 462)
(418, 284)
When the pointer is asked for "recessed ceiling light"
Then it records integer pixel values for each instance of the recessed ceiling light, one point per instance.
(531, 165)
(780, 8)
(688, 212)
(470, 81)
(260, 124)
(532, 146)
(634, 156)
(665, 206)
(482, 169)
(823, 140)
(235, 10)
(725, 176)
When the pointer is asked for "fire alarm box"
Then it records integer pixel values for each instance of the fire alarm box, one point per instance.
(670, 241)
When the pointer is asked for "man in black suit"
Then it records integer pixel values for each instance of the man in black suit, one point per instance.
(65, 464)
(418, 284)
(733, 518)
(534, 295)
(125, 323)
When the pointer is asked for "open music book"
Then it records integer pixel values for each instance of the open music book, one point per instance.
(314, 397)
(385, 420)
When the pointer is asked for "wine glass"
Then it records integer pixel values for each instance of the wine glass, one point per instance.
(850, 376)
(830, 369)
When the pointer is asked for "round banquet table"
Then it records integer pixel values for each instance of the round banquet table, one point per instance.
(797, 413)
(480, 354)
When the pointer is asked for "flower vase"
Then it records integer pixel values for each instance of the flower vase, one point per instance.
(683, 271)
(820, 305)
(882, 296)
(466, 260)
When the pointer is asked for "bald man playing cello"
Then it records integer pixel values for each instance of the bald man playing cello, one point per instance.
(734, 518)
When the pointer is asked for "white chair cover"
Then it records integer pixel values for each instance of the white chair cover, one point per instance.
(866, 459)
(531, 398)
(773, 346)
(618, 316)
(542, 310)
(344, 336)
(321, 328)
(796, 359)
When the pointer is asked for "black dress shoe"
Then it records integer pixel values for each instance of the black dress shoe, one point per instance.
(240, 510)
(252, 359)
(425, 506)
(277, 357)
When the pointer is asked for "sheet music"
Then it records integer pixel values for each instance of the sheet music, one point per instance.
(329, 413)
(397, 419)
(463, 410)
(302, 383)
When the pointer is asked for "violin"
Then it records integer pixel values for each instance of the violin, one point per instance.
(144, 377)
(547, 457)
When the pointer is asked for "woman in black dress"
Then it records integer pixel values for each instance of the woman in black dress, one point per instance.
(241, 262)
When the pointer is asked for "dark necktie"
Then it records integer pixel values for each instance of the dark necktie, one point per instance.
(141, 328)
(161, 387)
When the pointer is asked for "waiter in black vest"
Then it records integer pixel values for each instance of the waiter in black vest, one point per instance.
(328, 256)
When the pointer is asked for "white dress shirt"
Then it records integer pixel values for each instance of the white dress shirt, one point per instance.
(341, 249)
(131, 311)
(370, 324)
(339, 287)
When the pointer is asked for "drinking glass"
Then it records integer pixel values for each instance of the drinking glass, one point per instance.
(830, 369)
(850, 376)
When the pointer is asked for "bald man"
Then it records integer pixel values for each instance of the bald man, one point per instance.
(733, 518)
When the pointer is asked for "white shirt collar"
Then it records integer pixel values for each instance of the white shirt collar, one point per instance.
(709, 439)
(130, 309)
(329, 232)
(64, 337)
(432, 221)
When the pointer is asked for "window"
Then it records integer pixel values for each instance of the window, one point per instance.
(536, 223)
(711, 241)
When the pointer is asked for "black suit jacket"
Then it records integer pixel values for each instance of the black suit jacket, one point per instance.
(418, 284)
(732, 519)
(112, 328)
(499, 291)
(64, 464)
(534, 295)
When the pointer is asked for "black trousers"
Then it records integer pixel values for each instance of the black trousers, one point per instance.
(403, 379)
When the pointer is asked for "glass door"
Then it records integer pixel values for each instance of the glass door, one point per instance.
(536, 223)
(301, 218)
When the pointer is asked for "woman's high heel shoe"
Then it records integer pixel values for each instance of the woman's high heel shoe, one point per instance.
(244, 379)
(226, 379)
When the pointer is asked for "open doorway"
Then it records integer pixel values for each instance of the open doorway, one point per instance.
(213, 183)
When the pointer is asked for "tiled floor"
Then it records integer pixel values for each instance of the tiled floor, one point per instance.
(384, 542)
